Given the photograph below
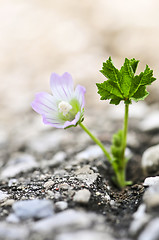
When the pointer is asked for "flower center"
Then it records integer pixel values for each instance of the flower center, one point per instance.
(64, 107)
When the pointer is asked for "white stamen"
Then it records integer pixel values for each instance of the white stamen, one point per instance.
(64, 107)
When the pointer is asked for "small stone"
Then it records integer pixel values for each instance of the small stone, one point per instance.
(68, 167)
(50, 193)
(150, 181)
(20, 162)
(151, 232)
(57, 195)
(98, 193)
(151, 197)
(46, 142)
(128, 153)
(112, 202)
(107, 197)
(154, 203)
(69, 219)
(57, 159)
(5, 211)
(8, 202)
(86, 175)
(140, 219)
(61, 205)
(150, 122)
(3, 196)
(12, 181)
(43, 177)
(132, 140)
(64, 186)
(84, 170)
(12, 218)
(60, 172)
(85, 234)
(140, 211)
(90, 153)
(13, 232)
(24, 198)
(48, 184)
(150, 159)
(82, 196)
(33, 209)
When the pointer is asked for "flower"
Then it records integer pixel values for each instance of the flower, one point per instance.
(65, 107)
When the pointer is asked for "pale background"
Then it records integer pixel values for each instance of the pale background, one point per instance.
(39, 37)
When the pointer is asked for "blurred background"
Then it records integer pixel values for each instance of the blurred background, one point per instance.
(40, 37)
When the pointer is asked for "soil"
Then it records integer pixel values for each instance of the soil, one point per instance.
(117, 213)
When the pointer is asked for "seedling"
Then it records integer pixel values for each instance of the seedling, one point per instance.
(65, 108)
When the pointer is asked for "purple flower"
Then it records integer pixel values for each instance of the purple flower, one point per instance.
(65, 107)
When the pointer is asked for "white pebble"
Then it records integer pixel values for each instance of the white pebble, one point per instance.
(61, 205)
(149, 181)
(150, 159)
(82, 196)
(37, 208)
(3, 196)
(48, 184)
(151, 122)
(151, 232)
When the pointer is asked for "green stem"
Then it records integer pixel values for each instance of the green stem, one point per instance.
(125, 128)
(97, 141)
(120, 176)
(120, 173)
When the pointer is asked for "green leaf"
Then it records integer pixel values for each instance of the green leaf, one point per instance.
(115, 101)
(111, 87)
(127, 76)
(109, 90)
(117, 147)
(134, 64)
(135, 84)
(103, 92)
(110, 72)
(147, 76)
(123, 84)
(140, 94)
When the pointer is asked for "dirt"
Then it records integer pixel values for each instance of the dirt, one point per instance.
(117, 206)
(117, 212)
(126, 201)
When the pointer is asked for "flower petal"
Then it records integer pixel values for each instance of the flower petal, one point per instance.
(60, 124)
(61, 86)
(44, 103)
(63, 90)
(53, 122)
(68, 123)
(79, 94)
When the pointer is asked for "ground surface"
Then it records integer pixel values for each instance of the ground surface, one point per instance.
(56, 164)
(37, 161)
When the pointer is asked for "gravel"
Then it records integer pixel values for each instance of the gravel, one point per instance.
(37, 208)
(150, 159)
(82, 196)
